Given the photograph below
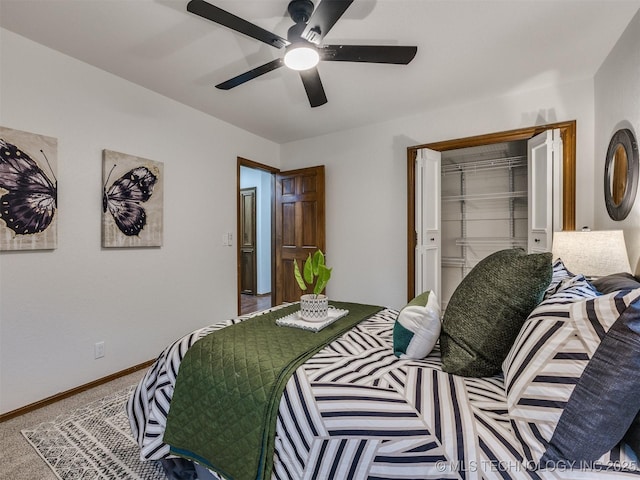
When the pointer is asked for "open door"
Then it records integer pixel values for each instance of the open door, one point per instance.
(427, 222)
(545, 162)
(299, 225)
(564, 183)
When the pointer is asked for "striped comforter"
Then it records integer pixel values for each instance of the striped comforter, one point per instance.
(354, 410)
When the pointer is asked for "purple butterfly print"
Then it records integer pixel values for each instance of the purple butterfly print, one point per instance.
(31, 201)
(124, 197)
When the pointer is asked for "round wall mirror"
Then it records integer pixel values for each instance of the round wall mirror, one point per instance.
(621, 174)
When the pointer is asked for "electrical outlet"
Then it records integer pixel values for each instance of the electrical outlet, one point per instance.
(98, 349)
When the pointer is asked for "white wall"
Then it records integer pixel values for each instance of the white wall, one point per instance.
(54, 305)
(366, 180)
(617, 105)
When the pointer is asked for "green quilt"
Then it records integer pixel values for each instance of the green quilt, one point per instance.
(224, 408)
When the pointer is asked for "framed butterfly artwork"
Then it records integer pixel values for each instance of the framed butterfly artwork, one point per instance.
(28, 191)
(132, 201)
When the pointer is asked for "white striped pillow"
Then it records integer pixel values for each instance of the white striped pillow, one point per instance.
(546, 363)
(559, 275)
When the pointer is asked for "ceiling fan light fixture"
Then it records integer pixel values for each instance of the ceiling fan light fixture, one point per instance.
(301, 57)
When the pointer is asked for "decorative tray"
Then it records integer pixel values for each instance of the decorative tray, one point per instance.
(295, 320)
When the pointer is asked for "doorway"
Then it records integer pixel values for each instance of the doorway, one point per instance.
(289, 224)
(255, 236)
(568, 135)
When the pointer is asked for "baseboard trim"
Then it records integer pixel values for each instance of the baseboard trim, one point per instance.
(74, 391)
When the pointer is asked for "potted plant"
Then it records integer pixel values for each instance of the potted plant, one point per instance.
(313, 306)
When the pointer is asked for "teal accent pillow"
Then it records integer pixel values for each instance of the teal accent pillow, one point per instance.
(488, 308)
(417, 327)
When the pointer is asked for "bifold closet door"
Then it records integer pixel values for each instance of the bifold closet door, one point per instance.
(545, 197)
(427, 208)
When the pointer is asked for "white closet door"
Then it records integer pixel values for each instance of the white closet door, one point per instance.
(428, 222)
(545, 162)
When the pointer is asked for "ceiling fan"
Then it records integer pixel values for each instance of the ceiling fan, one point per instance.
(304, 47)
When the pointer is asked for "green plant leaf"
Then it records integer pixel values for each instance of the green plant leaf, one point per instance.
(314, 268)
(318, 259)
(308, 270)
(298, 275)
(324, 274)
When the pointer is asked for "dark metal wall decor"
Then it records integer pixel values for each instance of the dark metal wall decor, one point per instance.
(621, 174)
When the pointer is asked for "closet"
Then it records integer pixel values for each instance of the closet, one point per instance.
(471, 202)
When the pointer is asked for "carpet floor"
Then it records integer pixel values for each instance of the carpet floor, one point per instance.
(93, 442)
(48, 428)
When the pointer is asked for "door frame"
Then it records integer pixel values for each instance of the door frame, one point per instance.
(243, 162)
(568, 134)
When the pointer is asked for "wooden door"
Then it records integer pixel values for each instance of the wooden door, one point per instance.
(300, 225)
(248, 273)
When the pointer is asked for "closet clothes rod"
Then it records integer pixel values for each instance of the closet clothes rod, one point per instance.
(482, 165)
(484, 196)
(492, 241)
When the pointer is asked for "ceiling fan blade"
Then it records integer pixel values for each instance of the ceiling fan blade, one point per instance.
(222, 17)
(251, 74)
(324, 18)
(398, 55)
(313, 86)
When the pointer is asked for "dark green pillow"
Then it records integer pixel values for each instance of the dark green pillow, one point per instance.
(487, 310)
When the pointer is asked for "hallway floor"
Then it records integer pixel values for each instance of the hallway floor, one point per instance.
(253, 303)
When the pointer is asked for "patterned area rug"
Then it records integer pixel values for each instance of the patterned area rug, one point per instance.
(93, 442)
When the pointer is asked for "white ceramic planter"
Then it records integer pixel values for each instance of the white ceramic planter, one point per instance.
(314, 308)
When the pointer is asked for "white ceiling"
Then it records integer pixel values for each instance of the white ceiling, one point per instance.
(467, 50)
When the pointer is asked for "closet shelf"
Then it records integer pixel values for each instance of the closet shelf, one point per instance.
(453, 262)
(487, 219)
(493, 241)
(484, 196)
(483, 165)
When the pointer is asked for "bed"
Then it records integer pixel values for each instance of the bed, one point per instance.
(359, 407)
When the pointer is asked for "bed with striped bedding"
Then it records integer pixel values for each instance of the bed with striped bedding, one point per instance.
(355, 410)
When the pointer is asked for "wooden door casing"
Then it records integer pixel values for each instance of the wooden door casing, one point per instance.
(246, 163)
(300, 225)
(568, 135)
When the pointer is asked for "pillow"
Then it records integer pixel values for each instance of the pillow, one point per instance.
(615, 281)
(488, 308)
(632, 437)
(603, 403)
(560, 274)
(567, 405)
(571, 290)
(541, 326)
(417, 327)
